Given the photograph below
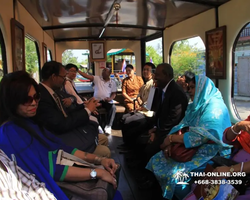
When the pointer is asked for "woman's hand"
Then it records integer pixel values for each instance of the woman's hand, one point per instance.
(167, 151)
(242, 125)
(109, 165)
(106, 176)
(165, 143)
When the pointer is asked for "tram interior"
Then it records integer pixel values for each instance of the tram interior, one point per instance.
(59, 25)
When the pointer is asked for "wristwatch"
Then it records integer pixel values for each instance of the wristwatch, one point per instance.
(93, 174)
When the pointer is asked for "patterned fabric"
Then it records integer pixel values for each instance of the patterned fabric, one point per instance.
(131, 87)
(33, 156)
(15, 183)
(207, 117)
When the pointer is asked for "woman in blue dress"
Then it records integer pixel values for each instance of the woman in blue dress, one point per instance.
(34, 147)
(206, 118)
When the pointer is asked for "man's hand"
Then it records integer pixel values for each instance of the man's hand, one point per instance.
(152, 130)
(92, 104)
(67, 102)
(152, 138)
(107, 99)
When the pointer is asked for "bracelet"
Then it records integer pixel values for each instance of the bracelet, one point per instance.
(232, 129)
(241, 167)
(98, 160)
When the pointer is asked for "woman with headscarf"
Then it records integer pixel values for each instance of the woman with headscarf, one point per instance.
(130, 88)
(205, 120)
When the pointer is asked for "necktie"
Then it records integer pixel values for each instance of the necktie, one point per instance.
(58, 102)
(162, 96)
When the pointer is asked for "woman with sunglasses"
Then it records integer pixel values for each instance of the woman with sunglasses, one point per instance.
(34, 147)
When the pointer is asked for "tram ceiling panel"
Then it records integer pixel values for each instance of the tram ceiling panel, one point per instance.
(69, 19)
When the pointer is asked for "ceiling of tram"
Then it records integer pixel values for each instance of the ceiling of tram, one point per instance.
(133, 19)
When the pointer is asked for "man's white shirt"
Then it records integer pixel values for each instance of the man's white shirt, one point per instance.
(103, 89)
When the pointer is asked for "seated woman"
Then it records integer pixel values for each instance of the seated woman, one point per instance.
(36, 148)
(205, 118)
(238, 136)
(183, 81)
(135, 122)
(130, 88)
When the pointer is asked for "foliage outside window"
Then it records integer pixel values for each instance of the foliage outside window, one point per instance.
(78, 57)
(154, 51)
(31, 59)
(187, 57)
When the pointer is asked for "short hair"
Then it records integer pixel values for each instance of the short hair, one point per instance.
(49, 68)
(189, 76)
(150, 65)
(70, 65)
(167, 69)
(129, 66)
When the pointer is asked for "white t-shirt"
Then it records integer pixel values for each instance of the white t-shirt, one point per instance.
(103, 89)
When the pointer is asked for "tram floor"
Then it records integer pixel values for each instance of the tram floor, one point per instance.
(128, 185)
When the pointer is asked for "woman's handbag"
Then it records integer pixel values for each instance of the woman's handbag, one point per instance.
(95, 189)
(180, 153)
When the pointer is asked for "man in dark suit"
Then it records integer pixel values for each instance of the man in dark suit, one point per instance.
(76, 128)
(173, 104)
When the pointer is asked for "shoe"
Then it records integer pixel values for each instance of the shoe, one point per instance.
(107, 130)
(100, 130)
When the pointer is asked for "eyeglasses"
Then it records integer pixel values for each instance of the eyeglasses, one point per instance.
(63, 77)
(36, 97)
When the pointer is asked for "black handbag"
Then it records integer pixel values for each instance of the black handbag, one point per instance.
(84, 138)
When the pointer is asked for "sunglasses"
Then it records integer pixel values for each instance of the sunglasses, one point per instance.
(29, 100)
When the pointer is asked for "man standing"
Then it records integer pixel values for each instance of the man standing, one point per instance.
(105, 91)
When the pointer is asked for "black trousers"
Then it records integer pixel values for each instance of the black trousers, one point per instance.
(111, 110)
(134, 125)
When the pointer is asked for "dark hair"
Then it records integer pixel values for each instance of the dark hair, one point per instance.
(189, 76)
(50, 68)
(70, 65)
(14, 89)
(150, 65)
(167, 69)
(129, 66)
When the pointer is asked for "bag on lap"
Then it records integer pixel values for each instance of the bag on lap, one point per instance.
(84, 138)
(95, 189)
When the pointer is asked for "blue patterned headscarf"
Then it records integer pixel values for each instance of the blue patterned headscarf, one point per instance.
(207, 115)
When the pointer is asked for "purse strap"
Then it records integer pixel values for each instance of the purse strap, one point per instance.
(65, 158)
